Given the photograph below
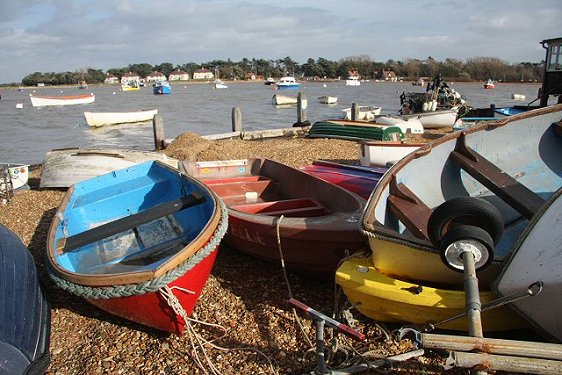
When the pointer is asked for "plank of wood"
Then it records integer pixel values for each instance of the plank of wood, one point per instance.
(129, 222)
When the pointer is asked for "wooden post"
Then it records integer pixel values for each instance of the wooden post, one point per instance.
(302, 103)
(236, 119)
(158, 128)
(354, 111)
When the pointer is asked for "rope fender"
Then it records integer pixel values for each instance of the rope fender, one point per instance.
(148, 286)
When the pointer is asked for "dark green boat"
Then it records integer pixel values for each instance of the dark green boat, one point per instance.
(355, 131)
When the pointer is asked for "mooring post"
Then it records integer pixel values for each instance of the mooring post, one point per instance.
(158, 128)
(236, 119)
(354, 111)
(302, 103)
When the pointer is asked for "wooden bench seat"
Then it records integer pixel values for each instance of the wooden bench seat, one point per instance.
(409, 209)
(518, 196)
(238, 186)
(289, 207)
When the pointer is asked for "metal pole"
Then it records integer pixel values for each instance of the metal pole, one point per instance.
(472, 296)
(321, 366)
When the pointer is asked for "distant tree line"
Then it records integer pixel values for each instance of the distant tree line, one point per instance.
(473, 69)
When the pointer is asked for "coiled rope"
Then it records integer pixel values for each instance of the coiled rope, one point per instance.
(148, 286)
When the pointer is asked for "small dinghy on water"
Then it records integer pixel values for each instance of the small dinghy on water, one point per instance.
(25, 314)
(95, 119)
(138, 242)
(43, 101)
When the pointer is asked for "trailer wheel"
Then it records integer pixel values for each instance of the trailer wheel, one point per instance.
(465, 238)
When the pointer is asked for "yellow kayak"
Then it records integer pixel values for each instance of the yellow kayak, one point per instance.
(386, 299)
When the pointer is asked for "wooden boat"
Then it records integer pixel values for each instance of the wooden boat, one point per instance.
(388, 299)
(354, 130)
(366, 113)
(319, 223)
(328, 99)
(287, 83)
(283, 100)
(139, 243)
(536, 257)
(25, 319)
(64, 167)
(357, 179)
(43, 101)
(489, 84)
(95, 119)
(17, 173)
(162, 88)
(510, 165)
(380, 153)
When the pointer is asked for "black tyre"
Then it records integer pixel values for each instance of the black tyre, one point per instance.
(464, 211)
(467, 238)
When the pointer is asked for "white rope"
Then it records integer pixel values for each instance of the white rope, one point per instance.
(197, 342)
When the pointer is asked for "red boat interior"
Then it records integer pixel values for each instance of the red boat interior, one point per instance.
(262, 195)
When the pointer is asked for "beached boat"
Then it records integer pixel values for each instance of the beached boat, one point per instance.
(43, 101)
(357, 179)
(316, 221)
(283, 100)
(388, 299)
(489, 84)
(328, 99)
(130, 86)
(64, 167)
(536, 257)
(95, 119)
(354, 130)
(499, 172)
(25, 318)
(139, 243)
(17, 173)
(441, 118)
(352, 81)
(161, 88)
(366, 113)
(287, 83)
(379, 153)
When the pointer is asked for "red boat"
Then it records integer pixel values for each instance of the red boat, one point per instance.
(360, 180)
(138, 242)
(489, 85)
(317, 220)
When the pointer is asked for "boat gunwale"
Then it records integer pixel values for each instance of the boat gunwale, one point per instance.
(134, 277)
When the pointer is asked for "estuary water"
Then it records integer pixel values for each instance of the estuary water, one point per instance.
(27, 133)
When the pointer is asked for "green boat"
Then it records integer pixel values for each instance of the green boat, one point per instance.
(355, 131)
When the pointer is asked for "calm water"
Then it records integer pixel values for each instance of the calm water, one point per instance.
(28, 133)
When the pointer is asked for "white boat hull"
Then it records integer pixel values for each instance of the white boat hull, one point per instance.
(65, 167)
(435, 120)
(366, 113)
(95, 119)
(18, 174)
(384, 153)
(43, 101)
(283, 100)
(538, 257)
(328, 99)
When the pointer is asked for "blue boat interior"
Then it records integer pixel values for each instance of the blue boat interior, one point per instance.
(133, 197)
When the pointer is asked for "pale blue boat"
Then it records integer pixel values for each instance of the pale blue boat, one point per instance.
(161, 88)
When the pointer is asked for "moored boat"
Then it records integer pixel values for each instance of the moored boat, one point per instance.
(95, 119)
(25, 319)
(316, 221)
(366, 113)
(219, 84)
(64, 167)
(287, 83)
(500, 172)
(328, 99)
(360, 180)
(139, 243)
(489, 84)
(43, 101)
(388, 299)
(130, 86)
(352, 81)
(161, 88)
(441, 118)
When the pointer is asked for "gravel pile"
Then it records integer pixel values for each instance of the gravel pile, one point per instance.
(253, 329)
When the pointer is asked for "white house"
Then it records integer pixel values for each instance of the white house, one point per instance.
(110, 79)
(129, 77)
(155, 76)
(203, 74)
(178, 75)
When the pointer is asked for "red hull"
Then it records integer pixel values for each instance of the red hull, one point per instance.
(152, 310)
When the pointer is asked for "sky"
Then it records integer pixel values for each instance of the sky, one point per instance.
(70, 35)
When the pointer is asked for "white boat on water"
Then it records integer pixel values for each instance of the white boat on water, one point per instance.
(383, 154)
(219, 84)
(283, 100)
(287, 83)
(15, 173)
(352, 81)
(441, 118)
(328, 99)
(110, 118)
(366, 113)
(43, 101)
(64, 167)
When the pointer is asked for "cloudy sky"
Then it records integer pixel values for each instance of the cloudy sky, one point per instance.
(67, 35)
